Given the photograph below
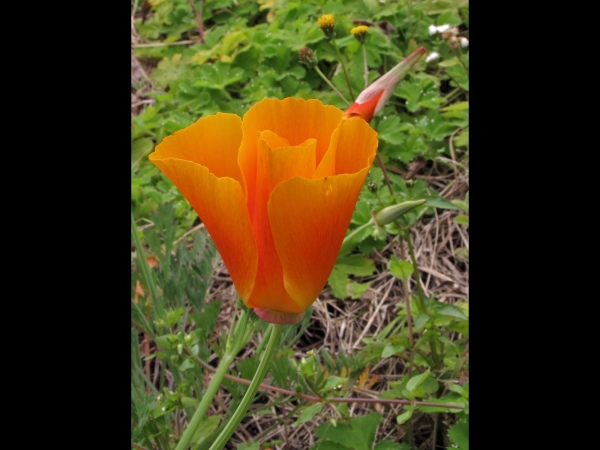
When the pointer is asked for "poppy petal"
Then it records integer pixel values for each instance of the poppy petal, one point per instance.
(212, 141)
(275, 166)
(295, 120)
(215, 191)
(309, 219)
(352, 148)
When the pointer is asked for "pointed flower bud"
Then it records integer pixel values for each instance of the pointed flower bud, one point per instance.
(373, 99)
(391, 213)
(326, 22)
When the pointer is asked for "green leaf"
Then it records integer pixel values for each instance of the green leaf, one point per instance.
(329, 445)
(459, 75)
(356, 290)
(173, 316)
(356, 265)
(400, 269)
(420, 321)
(395, 392)
(417, 380)
(248, 446)
(406, 415)
(462, 138)
(439, 202)
(357, 434)
(430, 386)
(461, 204)
(451, 310)
(167, 341)
(459, 106)
(140, 148)
(189, 402)
(185, 365)
(333, 382)
(390, 445)
(391, 349)
(343, 409)
(451, 16)
(461, 219)
(205, 428)
(308, 413)
(459, 433)
(248, 367)
(411, 92)
(339, 280)
(390, 129)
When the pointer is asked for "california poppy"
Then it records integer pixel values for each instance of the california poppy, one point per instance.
(276, 192)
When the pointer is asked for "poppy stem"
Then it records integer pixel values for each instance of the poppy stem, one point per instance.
(235, 342)
(240, 412)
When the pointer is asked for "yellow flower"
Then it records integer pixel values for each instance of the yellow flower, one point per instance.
(276, 192)
(360, 33)
(327, 22)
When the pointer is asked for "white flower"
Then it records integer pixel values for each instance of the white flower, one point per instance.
(464, 42)
(432, 57)
(433, 29)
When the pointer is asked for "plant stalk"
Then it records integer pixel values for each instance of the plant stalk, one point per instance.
(240, 412)
(331, 85)
(366, 73)
(337, 50)
(235, 341)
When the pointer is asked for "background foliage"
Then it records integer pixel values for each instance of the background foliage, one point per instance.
(250, 51)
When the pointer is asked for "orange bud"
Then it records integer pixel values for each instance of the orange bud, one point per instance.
(373, 99)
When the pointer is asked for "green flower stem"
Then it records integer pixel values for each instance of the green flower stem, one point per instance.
(235, 342)
(148, 280)
(364, 52)
(263, 341)
(417, 275)
(240, 412)
(337, 50)
(331, 85)
(462, 62)
(385, 175)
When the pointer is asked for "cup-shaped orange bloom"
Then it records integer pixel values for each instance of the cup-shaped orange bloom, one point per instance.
(276, 192)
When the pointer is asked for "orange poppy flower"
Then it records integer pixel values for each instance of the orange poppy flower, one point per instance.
(276, 192)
